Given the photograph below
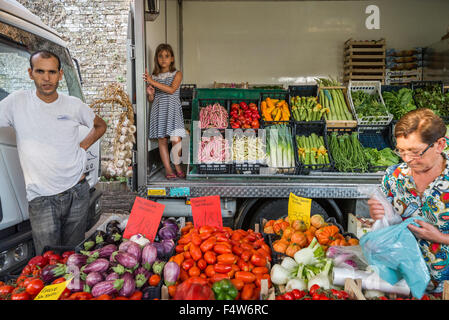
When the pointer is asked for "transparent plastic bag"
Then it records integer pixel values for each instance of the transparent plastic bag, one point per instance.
(348, 257)
(393, 252)
(390, 217)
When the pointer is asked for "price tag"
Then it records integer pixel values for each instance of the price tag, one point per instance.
(299, 209)
(206, 211)
(53, 291)
(145, 218)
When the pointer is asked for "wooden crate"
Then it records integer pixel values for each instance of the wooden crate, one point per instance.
(364, 60)
(341, 123)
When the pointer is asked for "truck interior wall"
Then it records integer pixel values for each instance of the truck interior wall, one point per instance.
(286, 42)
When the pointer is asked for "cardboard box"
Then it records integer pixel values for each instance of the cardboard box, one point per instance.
(358, 225)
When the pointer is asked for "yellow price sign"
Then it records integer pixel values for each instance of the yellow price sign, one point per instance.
(157, 192)
(299, 209)
(53, 291)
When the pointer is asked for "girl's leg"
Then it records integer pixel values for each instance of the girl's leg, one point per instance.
(165, 156)
(175, 141)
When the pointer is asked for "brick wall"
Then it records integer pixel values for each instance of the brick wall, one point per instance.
(95, 31)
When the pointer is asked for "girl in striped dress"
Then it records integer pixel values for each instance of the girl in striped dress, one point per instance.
(166, 120)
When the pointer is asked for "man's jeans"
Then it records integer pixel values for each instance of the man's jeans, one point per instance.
(61, 219)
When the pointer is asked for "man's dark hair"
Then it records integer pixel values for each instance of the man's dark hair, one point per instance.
(46, 55)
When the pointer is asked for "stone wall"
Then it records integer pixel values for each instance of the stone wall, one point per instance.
(116, 198)
(95, 31)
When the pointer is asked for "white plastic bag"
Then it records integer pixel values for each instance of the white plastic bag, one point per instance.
(390, 217)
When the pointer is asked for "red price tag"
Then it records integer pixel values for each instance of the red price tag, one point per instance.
(145, 218)
(207, 211)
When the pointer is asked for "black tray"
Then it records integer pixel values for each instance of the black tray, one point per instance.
(306, 129)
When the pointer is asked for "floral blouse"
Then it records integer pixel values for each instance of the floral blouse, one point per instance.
(399, 187)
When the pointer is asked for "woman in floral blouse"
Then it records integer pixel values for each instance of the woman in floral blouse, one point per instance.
(420, 187)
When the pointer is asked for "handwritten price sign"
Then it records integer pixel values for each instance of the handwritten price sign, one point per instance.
(145, 218)
(206, 211)
(299, 209)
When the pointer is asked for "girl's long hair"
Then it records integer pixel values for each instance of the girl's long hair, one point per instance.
(159, 49)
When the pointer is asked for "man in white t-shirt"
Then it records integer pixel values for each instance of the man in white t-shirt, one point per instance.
(52, 158)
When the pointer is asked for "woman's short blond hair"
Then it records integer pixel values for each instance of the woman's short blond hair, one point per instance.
(423, 121)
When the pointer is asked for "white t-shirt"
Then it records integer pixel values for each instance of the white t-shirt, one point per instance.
(47, 139)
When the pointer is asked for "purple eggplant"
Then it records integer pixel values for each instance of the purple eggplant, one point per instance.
(76, 285)
(141, 276)
(129, 285)
(158, 266)
(164, 247)
(107, 250)
(149, 255)
(53, 271)
(112, 276)
(134, 249)
(167, 233)
(126, 259)
(76, 260)
(93, 278)
(99, 265)
(124, 245)
(171, 273)
(107, 287)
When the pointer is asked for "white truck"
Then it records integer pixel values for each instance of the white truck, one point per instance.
(22, 33)
(263, 42)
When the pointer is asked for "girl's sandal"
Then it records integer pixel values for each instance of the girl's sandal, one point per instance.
(171, 176)
(181, 174)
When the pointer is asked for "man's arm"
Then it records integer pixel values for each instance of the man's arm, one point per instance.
(96, 133)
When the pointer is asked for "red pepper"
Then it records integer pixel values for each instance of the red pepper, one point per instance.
(39, 261)
(67, 254)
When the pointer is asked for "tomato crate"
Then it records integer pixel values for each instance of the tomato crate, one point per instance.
(279, 95)
(369, 87)
(307, 129)
(248, 113)
(379, 139)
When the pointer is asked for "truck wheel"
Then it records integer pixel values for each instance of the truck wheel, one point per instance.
(276, 209)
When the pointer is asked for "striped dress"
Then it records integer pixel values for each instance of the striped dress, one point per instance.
(166, 118)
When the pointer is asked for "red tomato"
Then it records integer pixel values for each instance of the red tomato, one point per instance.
(21, 296)
(34, 287)
(6, 289)
(48, 253)
(313, 289)
(137, 295)
(289, 296)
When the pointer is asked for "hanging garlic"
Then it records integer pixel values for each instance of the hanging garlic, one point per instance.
(123, 139)
(122, 155)
(132, 129)
(129, 145)
(128, 162)
(124, 130)
(120, 163)
(129, 174)
(125, 122)
(122, 147)
(120, 172)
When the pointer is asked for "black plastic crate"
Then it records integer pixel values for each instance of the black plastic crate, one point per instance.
(214, 168)
(306, 129)
(379, 139)
(247, 101)
(186, 91)
(286, 170)
(425, 84)
(340, 131)
(246, 168)
(392, 88)
(223, 102)
(280, 95)
(303, 91)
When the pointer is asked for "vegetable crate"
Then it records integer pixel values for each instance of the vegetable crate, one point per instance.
(370, 87)
(364, 60)
(186, 92)
(307, 129)
(279, 95)
(246, 168)
(202, 103)
(281, 149)
(425, 84)
(341, 123)
(303, 91)
(379, 139)
(341, 131)
(249, 118)
(222, 167)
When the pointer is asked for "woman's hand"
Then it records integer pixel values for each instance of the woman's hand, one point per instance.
(376, 209)
(428, 232)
